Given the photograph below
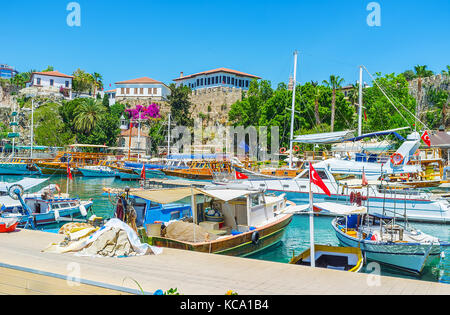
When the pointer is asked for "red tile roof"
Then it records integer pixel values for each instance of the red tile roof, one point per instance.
(144, 80)
(54, 74)
(216, 71)
(134, 133)
(111, 91)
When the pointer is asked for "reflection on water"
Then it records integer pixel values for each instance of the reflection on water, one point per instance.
(295, 240)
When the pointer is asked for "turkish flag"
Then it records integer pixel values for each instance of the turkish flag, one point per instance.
(143, 172)
(316, 180)
(241, 176)
(69, 172)
(426, 138)
(365, 182)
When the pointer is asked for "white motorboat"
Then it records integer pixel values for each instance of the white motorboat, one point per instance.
(383, 240)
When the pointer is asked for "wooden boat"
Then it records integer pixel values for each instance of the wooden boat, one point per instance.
(201, 170)
(73, 159)
(251, 221)
(18, 167)
(332, 257)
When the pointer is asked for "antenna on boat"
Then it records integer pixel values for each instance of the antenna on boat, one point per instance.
(293, 109)
(360, 101)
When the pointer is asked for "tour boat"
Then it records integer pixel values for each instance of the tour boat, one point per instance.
(97, 171)
(18, 167)
(381, 198)
(232, 220)
(202, 169)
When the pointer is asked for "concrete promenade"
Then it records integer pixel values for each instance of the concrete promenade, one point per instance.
(24, 269)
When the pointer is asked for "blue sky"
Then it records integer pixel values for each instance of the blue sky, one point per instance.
(129, 39)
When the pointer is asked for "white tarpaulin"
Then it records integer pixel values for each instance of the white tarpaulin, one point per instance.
(111, 240)
(26, 183)
(330, 137)
(329, 208)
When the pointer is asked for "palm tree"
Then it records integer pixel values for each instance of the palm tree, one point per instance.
(446, 72)
(98, 83)
(353, 95)
(317, 93)
(88, 114)
(334, 83)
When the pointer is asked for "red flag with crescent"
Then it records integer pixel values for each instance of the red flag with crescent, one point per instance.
(241, 176)
(426, 138)
(316, 180)
(143, 172)
(69, 172)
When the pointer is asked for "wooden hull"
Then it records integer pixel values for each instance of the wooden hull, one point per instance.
(56, 169)
(190, 174)
(349, 259)
(237, 245)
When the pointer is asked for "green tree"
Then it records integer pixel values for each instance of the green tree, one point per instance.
(334, 83)
(381, 114)
(97, 82)
(180, 105)
(83, 82)
(88, 114)
(50, 129)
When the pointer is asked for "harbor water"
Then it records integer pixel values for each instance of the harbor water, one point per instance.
(295, 239)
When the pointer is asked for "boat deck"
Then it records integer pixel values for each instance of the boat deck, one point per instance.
(24, 269)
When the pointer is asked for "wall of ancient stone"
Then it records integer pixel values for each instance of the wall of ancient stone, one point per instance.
(213, 104)
(441, 82)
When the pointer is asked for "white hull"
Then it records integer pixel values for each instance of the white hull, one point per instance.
(411, 257)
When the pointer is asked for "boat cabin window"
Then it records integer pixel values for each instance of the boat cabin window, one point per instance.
(255, 201)
(321, 173)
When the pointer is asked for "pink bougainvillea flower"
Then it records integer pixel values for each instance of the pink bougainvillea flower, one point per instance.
(144, 112)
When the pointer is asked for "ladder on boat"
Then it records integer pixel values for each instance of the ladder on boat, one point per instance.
(444, 266)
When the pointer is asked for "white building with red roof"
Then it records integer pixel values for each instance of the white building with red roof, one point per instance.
(221, 77)
(52, 80)
(142, 88)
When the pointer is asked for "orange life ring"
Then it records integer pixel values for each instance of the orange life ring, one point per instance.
(283, 150)
(296, 148)
(397, 159)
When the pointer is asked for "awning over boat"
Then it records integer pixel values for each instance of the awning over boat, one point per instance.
(325, 138)
(339, 209)
(26, 183)
(166, 196)
(381, 133)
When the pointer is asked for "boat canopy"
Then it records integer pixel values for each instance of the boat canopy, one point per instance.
(325, 138)
(26, 183)
(167, 196)
(379, 134)
(339, 209)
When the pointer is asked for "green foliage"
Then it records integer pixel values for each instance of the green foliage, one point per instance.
(180, 105)
(264, 106)
(436, 113)
(50, 129)
(172, 292)
(88, 114)
(4, 130)
(380, 112)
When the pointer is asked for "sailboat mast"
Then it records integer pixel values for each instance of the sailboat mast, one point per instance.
(360, 101)
(168, 136)
(311, 225)
(293, 110)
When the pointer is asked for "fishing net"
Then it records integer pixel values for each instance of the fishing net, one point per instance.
(188, 232)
